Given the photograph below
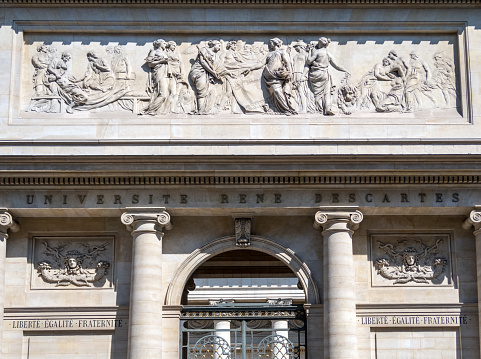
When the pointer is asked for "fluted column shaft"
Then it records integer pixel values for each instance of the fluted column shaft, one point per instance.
(474, 220)
(6, 223)
(145, 318)
(340, 337)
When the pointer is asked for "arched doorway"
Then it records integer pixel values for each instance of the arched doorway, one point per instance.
(244, 303)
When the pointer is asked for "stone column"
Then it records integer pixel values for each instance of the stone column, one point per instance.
(338, 223)
(222, 329)
(474, 220)
(280, 327)
(145, 317)
(6, 223)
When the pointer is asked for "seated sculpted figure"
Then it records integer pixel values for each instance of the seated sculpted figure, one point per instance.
(68, 89)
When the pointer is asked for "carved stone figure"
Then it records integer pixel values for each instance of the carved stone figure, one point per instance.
(69, 268)
(206, 71)
(158, 83)
(370, 90)
(304, 96)
(45, 92)
(277, 76)
(347, 98)
(71, 93)
(418, 81)
(40, 62)
(174, 78)
(407, 263)
(319, 60)
(99, 83)
(394, 100)
(241, 88)
(444, 77)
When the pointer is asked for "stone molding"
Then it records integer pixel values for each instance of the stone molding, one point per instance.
(236, 2)
(7, 223)
(328, 215)
(158, 215)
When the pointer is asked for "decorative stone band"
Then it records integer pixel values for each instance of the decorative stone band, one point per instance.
(474, 219)
(7, 223)
(271, 314)
(425, 3)
(148, 214)
(332, 214)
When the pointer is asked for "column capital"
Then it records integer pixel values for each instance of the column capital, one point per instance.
(7, 222)
(158, 215)
(348, 214)
(474, 219)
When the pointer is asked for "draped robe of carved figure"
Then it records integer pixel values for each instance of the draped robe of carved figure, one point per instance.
(68, 90)
(277, 74)
(40, 62)
(241, 87)
(204, 73)
(99, 84)
(304, 96)
(43, 88)
(319, 60)
(444, 77)
(158, 81)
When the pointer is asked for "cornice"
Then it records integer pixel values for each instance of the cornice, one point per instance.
(436, 3)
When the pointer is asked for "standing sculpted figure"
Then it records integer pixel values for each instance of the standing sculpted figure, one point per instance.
(174, 77)
(319, 60)
(277, 74)
(300, 81)
(158, 82)
(40, 62)
(206, 70)
(444, 77)
(418, 80)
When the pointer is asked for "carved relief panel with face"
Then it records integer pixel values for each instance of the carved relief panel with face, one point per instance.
(411, 259)
(72, 262)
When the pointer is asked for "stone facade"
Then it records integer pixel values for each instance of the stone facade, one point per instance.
(175, 175)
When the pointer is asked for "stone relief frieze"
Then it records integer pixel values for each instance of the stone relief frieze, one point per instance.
(70, 263)
(414, 260)
(241, 77)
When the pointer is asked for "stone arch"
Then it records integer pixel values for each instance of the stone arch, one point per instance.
(261, 244)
